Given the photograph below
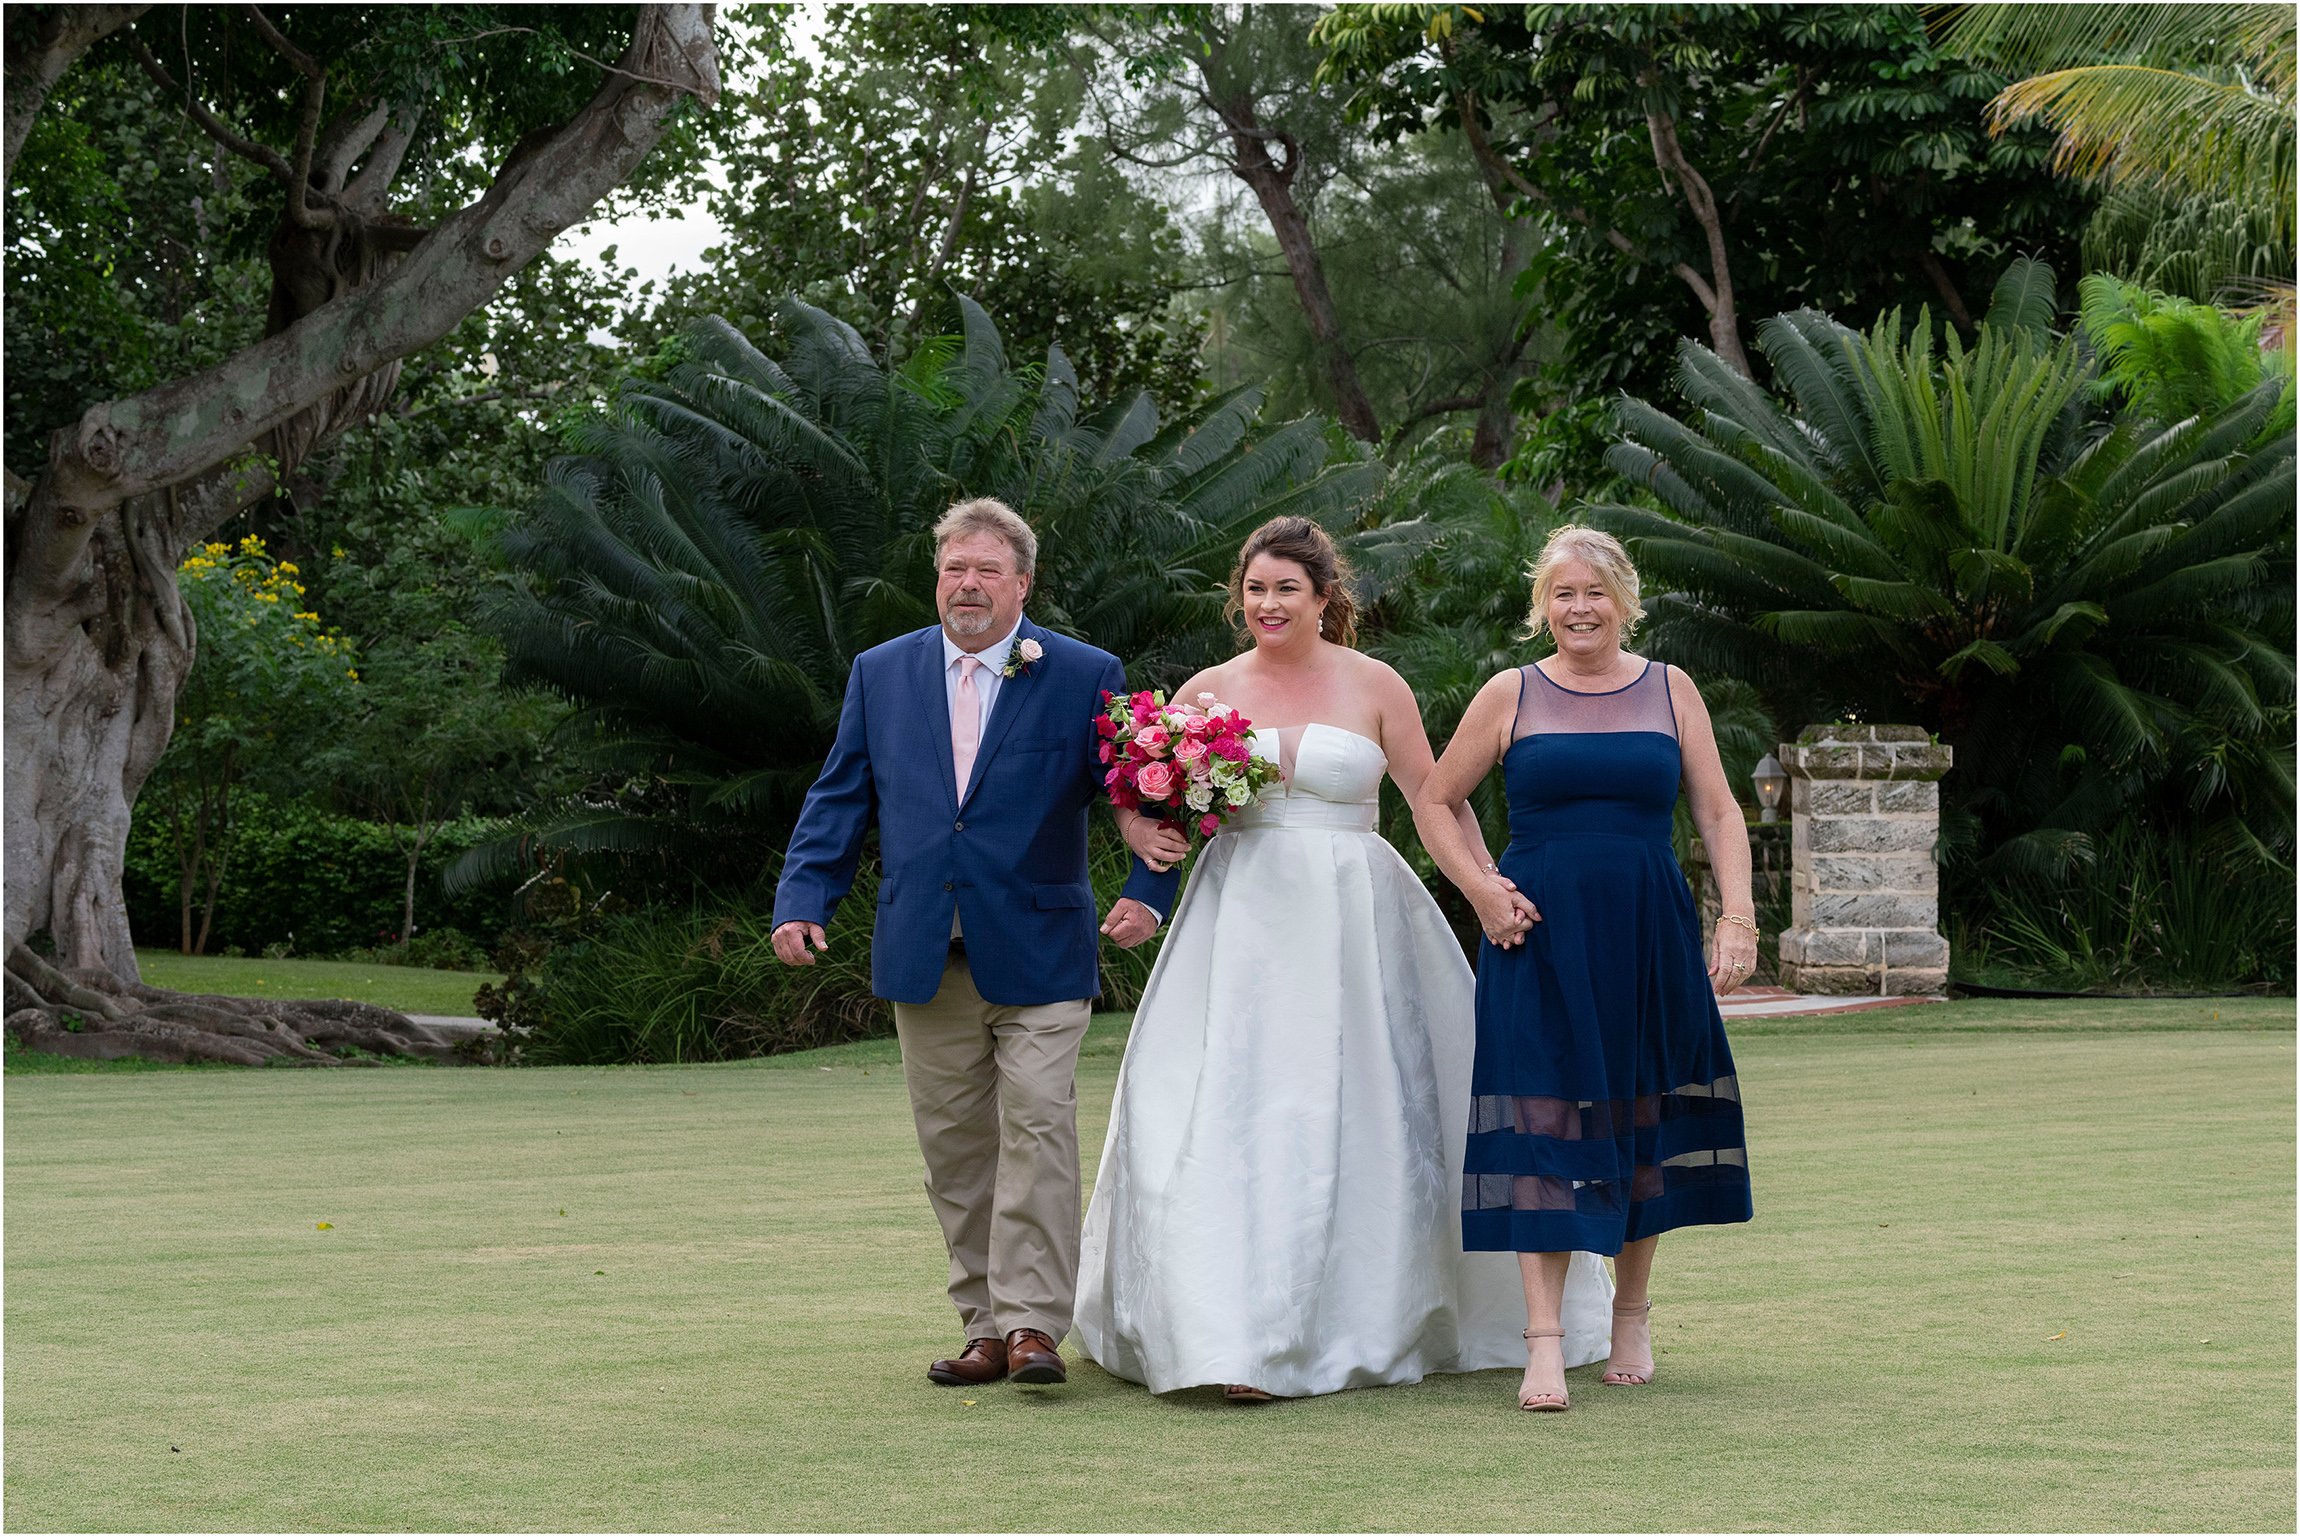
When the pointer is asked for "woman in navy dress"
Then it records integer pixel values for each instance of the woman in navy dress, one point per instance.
(1604, 1105)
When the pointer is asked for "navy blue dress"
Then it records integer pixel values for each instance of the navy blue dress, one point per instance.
(1604, 1106)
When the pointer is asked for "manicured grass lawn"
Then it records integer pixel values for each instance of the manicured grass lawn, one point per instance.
(2039, 1281)
(410, 989)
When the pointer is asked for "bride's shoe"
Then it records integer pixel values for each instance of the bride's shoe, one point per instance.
(1239, 1393)
(1539, 1401)
(1627, 1371)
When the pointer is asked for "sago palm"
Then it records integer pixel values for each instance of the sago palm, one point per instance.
(2091, 610)
(704, 570)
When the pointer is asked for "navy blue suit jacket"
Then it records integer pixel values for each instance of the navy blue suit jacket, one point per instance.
(1008, 854)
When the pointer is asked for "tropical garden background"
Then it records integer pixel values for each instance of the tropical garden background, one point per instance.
(1936, 364)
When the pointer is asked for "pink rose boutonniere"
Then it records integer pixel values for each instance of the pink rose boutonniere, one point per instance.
(1022, 658)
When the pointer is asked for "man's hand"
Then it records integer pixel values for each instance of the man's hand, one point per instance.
(1154, 843)
(792, 939)
(1128, 925)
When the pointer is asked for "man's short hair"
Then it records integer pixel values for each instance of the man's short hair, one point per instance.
(988, 515)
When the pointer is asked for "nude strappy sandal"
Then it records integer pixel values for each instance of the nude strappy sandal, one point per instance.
(1633, 1374)
(1544, 1403)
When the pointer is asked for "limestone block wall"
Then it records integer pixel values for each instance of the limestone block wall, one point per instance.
(1864, 891)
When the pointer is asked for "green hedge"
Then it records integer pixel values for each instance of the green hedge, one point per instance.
(701, 983)
(304, 876)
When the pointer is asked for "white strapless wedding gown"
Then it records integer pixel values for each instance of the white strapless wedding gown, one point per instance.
(1279, 1199)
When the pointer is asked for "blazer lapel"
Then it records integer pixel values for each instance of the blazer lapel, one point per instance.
(1011, 694)
(934, 700)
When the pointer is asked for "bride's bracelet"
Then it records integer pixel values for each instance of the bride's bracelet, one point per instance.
(1748, 923)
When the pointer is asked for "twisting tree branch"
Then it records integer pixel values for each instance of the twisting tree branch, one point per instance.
(1496, 165)
(247, 149)
(189, 426)
(302, 63)
(1716, 295)
(307, 125)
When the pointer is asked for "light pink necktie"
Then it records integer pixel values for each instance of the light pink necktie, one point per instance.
(965, 723)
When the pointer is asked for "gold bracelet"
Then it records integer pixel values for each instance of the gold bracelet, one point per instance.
(1748, 923)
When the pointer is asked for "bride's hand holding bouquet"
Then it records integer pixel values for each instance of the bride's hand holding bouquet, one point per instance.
(1190, 766)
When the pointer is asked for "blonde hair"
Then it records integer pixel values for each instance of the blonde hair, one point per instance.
(1604, 555)
(988, 515)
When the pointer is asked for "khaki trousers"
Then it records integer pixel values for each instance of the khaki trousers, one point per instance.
(994, 1090)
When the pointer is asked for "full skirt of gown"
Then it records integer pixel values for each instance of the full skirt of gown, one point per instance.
(1276, 1201)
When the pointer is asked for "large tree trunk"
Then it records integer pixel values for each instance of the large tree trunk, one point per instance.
(97, 637)
(1495, 436)
(1273, 182)
(89, 703)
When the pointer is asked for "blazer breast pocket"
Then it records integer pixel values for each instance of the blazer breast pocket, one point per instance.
(1031, 744)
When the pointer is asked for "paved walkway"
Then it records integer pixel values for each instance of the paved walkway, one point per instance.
(1778, 1002)
(452, 1024)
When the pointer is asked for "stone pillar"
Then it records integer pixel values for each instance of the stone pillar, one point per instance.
(1864, 891)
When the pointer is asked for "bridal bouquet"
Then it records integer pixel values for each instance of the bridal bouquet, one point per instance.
(1189, 765)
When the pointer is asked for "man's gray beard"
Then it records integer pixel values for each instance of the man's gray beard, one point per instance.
(968, 621)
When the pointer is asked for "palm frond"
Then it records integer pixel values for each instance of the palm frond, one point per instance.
(2165, 130)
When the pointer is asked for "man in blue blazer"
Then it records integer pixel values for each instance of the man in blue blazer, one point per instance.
(972, 744)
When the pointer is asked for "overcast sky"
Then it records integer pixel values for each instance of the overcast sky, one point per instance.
(657, 247)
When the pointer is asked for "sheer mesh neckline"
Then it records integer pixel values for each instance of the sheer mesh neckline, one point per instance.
(1643, 704)
(1594, 693)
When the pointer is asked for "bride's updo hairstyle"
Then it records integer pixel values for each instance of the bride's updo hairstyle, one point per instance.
(1312, 548)
(1605, 556)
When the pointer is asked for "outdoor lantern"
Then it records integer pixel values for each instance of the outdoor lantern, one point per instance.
(1772, 783)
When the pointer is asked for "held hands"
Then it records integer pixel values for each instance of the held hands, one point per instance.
(1129, 923)
(1732, 957)
(792, 939)
(1156, 844)
(1506, 914)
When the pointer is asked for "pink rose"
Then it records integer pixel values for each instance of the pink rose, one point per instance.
(1209, 825)
(1198, 728)
(1153, 739)
(1031, 650)
(1155, 780)
(1189, 750)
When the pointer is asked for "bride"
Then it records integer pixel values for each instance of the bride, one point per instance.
(1278, 1204)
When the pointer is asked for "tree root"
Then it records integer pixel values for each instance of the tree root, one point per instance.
(91, 1013)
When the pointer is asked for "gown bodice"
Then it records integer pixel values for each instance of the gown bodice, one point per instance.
(1333, 780)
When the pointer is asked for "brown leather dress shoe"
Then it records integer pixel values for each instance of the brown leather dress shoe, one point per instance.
(982, 1361)
(1030, 1357)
